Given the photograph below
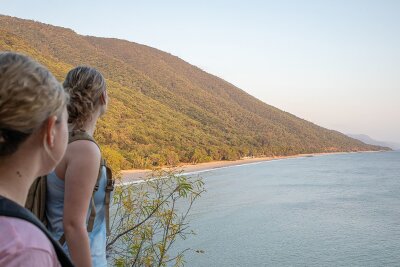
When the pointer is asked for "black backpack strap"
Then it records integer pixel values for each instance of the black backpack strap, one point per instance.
(11, 209)
(109, 189)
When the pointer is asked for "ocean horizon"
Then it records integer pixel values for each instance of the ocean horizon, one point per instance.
(331, 210)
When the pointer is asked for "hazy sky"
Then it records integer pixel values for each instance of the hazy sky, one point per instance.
(333, 62)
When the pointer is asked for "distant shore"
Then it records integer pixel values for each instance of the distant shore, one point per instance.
(132, 176)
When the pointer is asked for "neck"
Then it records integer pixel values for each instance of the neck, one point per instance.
(90, 125)
(90, 128)
(16, 177)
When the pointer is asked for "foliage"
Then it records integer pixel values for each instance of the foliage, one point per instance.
(149, 217)
(164, 111)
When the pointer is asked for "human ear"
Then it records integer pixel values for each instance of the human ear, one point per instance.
(50, 131)
(103, 98)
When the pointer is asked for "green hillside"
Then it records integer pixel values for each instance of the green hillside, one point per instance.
(164, 110)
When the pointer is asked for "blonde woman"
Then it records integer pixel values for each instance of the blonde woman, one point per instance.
(33, 139)
(70, 187)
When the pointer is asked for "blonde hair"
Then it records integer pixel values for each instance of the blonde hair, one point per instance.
(85, 86)
(29, 95)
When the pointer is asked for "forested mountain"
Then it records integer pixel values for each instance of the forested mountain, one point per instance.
(164, 110)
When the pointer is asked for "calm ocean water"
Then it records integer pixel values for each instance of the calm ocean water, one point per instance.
(335, 210)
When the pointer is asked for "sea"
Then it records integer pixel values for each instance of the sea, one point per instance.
(330, 210)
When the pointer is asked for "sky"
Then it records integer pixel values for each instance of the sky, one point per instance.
(333, 62)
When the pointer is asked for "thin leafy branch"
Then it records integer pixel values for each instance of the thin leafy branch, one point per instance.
(149, 217)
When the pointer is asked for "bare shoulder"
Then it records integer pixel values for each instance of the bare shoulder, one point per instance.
(83, 162)
(83, 150)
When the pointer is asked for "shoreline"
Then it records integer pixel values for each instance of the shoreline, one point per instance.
(138, 175)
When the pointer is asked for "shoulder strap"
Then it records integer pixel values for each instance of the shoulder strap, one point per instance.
(109, 189)
(82, 135)
(11, 209)
(36, 200)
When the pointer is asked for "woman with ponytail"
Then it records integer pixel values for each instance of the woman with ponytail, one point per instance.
(71, 198)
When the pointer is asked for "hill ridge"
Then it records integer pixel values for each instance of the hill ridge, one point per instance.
(164, 110)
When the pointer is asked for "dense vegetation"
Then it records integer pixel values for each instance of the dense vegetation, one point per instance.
(163, 110)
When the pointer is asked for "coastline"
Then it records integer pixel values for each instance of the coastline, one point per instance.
(138, 175)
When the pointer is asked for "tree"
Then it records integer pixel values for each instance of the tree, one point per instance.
(198, 155)
(172, 158)
(114, 159)
(148, 218)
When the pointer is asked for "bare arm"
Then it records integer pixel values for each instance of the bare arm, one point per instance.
(80, 178)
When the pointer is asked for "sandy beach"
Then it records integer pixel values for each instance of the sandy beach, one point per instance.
(131, 176)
